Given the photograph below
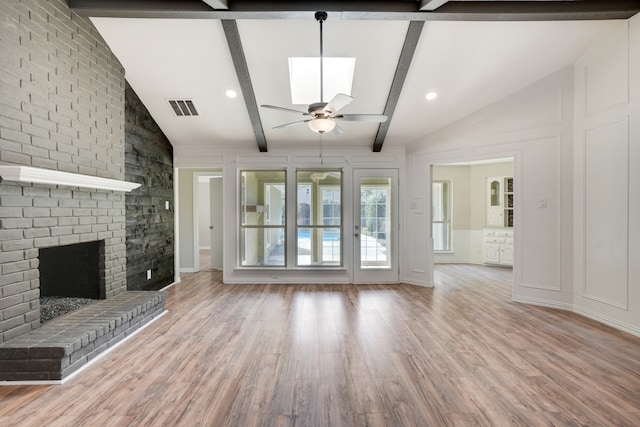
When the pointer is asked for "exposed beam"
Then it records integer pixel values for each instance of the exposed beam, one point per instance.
(217, 4)
(407, 10)
(242, 70)
(431, 4)
(406, 56)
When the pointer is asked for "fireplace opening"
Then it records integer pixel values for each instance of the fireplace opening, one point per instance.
(69, 278)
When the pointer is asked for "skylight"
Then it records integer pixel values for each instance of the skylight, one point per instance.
(304, 76)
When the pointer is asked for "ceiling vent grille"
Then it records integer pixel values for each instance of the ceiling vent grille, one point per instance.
(183, 107)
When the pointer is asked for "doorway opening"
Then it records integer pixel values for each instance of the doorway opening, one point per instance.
(207, 221)
(473, 212)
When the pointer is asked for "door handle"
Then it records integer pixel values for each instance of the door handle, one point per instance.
(357, 235)
(211, 227)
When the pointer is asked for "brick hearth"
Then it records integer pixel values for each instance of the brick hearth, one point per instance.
(60, 347)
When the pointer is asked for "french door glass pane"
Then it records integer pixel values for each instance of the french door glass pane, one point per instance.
(375, 222)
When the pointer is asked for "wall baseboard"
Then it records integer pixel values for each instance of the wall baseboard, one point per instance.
(169, 285)
(582, 312)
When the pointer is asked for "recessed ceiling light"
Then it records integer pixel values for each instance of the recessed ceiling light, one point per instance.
(231, 93)
(431, 96)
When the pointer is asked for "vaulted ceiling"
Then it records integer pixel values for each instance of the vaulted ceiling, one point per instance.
(472, 53)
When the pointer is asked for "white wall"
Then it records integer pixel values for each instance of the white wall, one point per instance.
(575, 137)
(607, 179)
(534, 126)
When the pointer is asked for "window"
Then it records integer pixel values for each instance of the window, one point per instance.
(375, 220)
(441, 215)
(319, 217)
(262, 218)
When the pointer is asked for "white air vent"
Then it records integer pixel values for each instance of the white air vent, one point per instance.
(183, 107)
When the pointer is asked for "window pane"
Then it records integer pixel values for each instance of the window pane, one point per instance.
(319, 246)
(262, 218)
(440, 236)
(319, 197)
(262, 247)
(375, 195)
(262, 197)
(441, 223)
(319, 217)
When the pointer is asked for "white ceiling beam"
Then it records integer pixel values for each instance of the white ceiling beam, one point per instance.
(430, 5)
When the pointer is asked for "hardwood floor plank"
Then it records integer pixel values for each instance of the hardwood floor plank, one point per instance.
(461, 353)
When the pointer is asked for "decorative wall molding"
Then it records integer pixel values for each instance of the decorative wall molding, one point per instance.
(48, 176)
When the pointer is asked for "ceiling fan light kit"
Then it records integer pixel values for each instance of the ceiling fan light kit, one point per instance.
(323, 115)
(321, 125)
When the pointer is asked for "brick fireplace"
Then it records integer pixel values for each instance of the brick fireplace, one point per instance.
(35, 218)
(63, 112)
(59, 240)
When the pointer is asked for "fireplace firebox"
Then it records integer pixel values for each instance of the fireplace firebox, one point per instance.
(72, 271)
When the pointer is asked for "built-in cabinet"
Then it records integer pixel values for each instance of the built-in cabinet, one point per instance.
(497, 247)
(500, 202)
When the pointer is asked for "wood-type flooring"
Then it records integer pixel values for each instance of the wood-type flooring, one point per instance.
(458, 354)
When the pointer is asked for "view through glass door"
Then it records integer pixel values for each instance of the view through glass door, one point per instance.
(375, 226)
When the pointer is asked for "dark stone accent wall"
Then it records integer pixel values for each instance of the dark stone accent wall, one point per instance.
(150, 226)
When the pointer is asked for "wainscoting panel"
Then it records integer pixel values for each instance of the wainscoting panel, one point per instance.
(607, 213)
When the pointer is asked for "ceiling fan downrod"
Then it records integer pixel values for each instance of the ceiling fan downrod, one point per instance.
(321, 17)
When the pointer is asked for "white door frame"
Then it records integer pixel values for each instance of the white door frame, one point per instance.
(376, 275)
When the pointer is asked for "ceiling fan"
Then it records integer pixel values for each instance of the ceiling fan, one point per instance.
(323, 115)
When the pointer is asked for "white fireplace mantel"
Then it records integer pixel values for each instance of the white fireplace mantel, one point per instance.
(48, 176)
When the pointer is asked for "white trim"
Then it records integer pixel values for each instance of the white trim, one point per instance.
(543, 303)
(621, 326)
(625, 327)
(170, 285)
(188, 270)
(48, 176)
(86, 365)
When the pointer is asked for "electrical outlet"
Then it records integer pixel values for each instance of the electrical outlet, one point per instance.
(166, 204)
(148, 274)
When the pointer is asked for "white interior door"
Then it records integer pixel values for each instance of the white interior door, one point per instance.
(375, 226)
(215, 224)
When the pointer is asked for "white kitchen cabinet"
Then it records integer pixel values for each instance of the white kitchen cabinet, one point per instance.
(497, 247)
(499, 201)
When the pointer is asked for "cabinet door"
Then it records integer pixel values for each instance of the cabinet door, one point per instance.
(506, 255)
(491, 253)
(495, 217)
(494, 192)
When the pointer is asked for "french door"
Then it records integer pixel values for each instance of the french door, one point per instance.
(375, 228)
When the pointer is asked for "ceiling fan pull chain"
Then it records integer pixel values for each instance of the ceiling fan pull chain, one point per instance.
(321, 159)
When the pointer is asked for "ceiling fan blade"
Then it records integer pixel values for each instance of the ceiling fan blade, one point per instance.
(380, 118)
(290, 110)
(338, 102)
(338, 130)
(291, 124)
